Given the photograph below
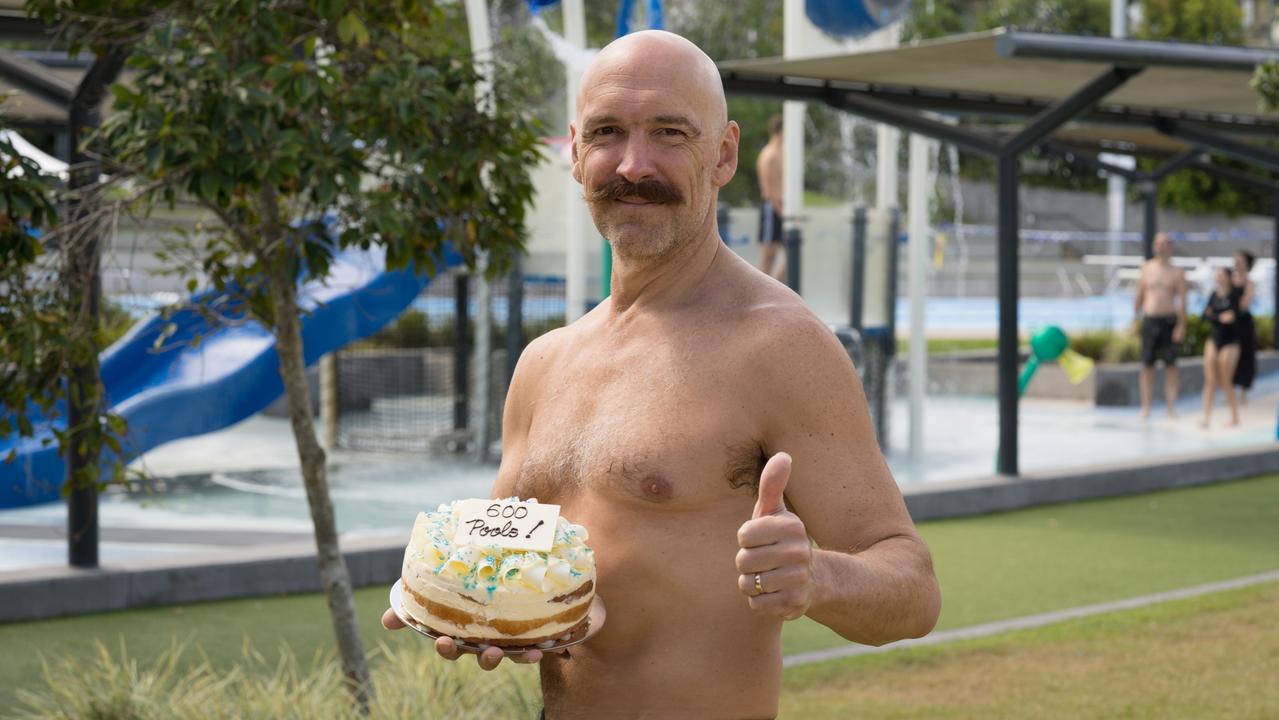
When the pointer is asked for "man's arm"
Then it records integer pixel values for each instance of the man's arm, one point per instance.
(870, 579)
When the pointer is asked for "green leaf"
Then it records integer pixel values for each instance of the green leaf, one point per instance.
(351, 29)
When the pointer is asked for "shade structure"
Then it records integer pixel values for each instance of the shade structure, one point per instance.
(1101, 93)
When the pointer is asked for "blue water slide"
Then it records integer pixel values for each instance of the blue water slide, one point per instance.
(188, 388)
(854, 18)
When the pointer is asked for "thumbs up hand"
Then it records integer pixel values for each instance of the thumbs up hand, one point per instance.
(775, 560)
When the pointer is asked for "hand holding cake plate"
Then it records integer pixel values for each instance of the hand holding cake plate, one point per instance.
(595, 621)
(505, 573)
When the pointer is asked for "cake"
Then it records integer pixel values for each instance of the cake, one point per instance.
(490, 595)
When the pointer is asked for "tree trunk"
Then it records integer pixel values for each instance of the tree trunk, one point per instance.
(333, 572)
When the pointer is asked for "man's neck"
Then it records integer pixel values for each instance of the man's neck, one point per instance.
(649, 283)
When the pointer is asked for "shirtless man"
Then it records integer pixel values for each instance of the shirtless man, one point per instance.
(666, 420)
(1160, 306)
(768, 167)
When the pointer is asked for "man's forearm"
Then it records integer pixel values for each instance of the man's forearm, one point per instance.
(887, 592)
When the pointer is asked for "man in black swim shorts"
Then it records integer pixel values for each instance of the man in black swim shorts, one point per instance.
(1161, 305)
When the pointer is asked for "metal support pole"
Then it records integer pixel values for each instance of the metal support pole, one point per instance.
(889, 339)
(1150, 224)
(514, 317)
(86, 401)
(857, 286)
(461, 352)
(793, 241)
(1008, 292)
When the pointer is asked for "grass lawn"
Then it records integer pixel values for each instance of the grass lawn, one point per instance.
(1208, 657)
(1058, 556)
(992, 567)
(942, 345)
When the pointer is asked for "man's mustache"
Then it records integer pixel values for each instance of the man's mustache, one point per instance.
(654, 191)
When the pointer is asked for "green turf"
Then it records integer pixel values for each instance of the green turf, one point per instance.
(1210, 657)
(990, 567)
(1060, 556)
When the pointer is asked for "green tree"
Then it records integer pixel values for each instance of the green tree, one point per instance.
(271, 115)
(46, 331)
(1204, 21)
(1210, 21)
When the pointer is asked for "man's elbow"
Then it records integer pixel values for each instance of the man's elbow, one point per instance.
(929, 609)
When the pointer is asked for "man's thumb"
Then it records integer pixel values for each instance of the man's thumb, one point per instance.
(772, 485)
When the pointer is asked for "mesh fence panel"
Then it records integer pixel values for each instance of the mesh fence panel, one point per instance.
(409, 389)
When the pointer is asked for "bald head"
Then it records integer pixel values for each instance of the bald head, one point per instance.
(661, 57)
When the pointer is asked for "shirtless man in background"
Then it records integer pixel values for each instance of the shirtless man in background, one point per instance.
(1160, 307)
(768, 168)
(703, 425)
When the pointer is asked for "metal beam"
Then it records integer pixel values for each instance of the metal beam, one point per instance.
(862, 104)
(1091, 161)
(967, 103)
(1237, 149)
(1175, 163)
(1126, 51)
(1237, 176)
(36, 79)
(1054, 117)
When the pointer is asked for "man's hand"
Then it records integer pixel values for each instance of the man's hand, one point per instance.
(1179, 332)
(447, 647)
(776, 559)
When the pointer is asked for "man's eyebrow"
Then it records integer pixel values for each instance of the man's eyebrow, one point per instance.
(680, 120)
(592, 122)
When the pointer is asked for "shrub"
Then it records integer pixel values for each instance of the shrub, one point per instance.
(1265, 331)
(410, 682)
(1107, 346)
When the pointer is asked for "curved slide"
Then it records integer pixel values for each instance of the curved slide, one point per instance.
(231, 373)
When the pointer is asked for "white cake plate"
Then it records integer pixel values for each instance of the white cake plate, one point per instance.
(595, 621)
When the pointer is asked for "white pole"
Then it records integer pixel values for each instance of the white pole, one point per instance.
(917, 240)
(477, 22)
(792, 119)
(1117, 185)
(576, 217)
(887, 140)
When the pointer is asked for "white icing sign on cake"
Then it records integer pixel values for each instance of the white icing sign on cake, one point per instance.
(506, 523)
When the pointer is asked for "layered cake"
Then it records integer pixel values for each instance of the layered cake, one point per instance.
(489, 595)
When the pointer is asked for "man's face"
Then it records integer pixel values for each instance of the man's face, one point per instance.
(1163, 246)
(650, 156)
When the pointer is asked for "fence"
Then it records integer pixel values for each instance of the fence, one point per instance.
(413, 386)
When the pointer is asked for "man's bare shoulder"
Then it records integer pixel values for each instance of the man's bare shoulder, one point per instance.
(778, 326)
(541, 354)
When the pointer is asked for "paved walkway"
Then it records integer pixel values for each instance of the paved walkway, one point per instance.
(240, 486)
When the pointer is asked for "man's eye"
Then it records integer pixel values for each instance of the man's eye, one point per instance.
(606, 131)
(671, 132)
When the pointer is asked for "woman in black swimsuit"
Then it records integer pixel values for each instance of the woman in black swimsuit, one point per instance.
(1221, 351)
(1246, 370)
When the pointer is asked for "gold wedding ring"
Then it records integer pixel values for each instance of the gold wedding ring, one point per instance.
(759, 586)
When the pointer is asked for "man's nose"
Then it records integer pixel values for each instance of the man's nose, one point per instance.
(636, 162)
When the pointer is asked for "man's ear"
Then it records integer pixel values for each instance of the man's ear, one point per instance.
(572, 144)
(726, 161)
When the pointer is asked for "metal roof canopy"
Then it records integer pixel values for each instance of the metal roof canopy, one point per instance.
(1186, 91)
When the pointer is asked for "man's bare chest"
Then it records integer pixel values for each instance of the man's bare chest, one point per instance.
(656, 429)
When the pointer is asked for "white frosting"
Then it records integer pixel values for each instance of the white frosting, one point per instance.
(492, 582)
